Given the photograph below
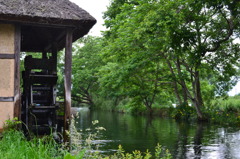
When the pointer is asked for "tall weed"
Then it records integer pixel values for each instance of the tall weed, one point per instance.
(225, 110)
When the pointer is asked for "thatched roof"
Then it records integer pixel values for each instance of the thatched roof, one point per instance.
(44, 19)
(45, 11)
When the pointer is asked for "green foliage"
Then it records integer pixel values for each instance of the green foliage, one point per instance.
(60, 73)
(229, 104)
(86, 63)
(12, 124)
(14, 145)
(184, 112)
(69, 156)
(225, 111)
(159, 154)
(80, 155)
(133, 106)
(174, 41)
(156, 53)
(121, 154)
(104, 103)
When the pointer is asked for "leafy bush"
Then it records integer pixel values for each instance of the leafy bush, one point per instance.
(11, 123)
(230, 104)
(121, 154)
(135, 106)
(159, 154)
(225, 110)
(183, 112)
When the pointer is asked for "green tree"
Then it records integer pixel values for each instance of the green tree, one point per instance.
(132, 71)
(187, 36)
(139, 78)
(86, 63)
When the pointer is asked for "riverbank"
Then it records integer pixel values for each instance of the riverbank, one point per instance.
(224, 111)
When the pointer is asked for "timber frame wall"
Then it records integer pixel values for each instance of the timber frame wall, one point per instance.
(10, 38)
(10, 96)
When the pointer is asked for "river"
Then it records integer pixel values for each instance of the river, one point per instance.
(183, 140)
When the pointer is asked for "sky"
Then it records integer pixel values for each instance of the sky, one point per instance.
(96, 9)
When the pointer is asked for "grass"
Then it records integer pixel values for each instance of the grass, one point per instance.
(13, 144)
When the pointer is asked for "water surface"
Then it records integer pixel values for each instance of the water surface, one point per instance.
(184, 140)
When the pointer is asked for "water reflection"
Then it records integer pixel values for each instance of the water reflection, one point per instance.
(221, 143)
(184, 140)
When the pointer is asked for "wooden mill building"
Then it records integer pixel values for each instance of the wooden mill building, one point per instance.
(38, 26)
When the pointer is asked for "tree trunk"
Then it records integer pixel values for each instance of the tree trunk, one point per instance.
(198, 109)
(184, 92)
(175, 86)
(197, 100)
(176, 91)
(196, 97)
(198, 89)
(148, 105)
(185, 97)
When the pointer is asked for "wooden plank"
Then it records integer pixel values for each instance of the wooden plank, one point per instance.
(6, 99)
(17, 94)
(67, 82)
(7, 56)
(34, 63)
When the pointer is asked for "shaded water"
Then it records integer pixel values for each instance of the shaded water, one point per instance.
(184, 140)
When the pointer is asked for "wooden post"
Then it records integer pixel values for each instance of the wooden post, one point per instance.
(17, 94)
(44, 55)
(67, 83)
(54, 56)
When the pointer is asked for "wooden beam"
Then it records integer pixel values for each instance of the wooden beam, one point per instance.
(57, 39)
(7, 56)
(6, 99)
(67, 82)
(17, 94)
(8, 20)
